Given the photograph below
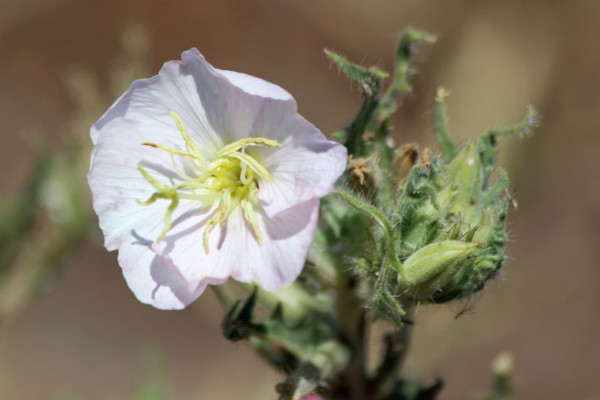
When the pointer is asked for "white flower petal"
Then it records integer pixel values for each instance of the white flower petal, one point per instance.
(256, 86)
(152, 100)
(235, 252)
(305, 167)
(279, 261)
(117, 184)
(232, 101)
(154, 279)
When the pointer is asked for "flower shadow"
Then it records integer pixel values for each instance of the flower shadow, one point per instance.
(164, 273)
(172, 176)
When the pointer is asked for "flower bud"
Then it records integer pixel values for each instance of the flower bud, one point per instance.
(429, 269)
(448, 208)
(465, 178)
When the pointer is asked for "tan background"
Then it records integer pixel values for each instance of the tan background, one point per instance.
(86, 335)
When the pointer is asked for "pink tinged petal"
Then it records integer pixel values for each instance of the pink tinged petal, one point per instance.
(234, 251)
(232, 100)
(256, 86)
(153, 279)
(289, 234)
(183, 247)
(117, 184)
(306, 166)
(151, 101)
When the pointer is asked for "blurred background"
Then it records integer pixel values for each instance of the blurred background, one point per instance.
(81, 334)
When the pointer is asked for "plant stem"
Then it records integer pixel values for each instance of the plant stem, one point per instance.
(396, 350)
(224, 296)
(351, 330)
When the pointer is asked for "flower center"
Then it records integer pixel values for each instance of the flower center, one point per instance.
(230, 180)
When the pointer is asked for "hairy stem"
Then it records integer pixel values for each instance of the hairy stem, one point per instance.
(397, 344)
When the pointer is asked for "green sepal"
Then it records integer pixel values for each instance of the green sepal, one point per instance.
(465, 173)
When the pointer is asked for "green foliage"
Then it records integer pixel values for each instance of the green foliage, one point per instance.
(443, 232)
(307, 349)
(369, 129)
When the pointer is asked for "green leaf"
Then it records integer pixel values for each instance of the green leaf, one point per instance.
(488, 148)
(404, 52)
(369, 78)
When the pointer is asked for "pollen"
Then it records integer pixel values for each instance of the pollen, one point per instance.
(228, 181)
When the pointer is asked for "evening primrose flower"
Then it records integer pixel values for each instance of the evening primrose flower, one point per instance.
(200, 174)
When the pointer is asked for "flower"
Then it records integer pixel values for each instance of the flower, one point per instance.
(200, 174)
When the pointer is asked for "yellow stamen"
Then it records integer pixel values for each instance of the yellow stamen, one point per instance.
(250, 216)
(163, 192)
(244, 178)
(254, 165)
(231, 179)
(242, 143)
(188, 140)
(168, 149)
(157, 185)
(172, 207)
